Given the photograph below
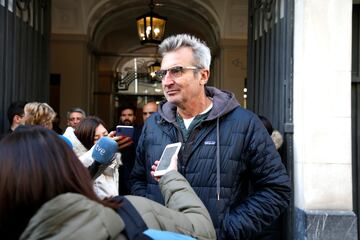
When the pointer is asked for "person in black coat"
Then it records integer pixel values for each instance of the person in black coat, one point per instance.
(15, 114)
(225, 148)
(128, 154)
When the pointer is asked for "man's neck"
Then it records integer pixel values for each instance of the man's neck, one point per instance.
(192, 110)
(13, 126)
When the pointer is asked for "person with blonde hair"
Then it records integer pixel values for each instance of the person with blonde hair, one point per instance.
(37, 113)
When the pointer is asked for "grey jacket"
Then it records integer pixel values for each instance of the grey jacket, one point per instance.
(73, 216)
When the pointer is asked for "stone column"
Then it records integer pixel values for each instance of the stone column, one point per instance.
(322, 120)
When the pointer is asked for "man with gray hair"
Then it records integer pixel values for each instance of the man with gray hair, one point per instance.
(74, 116)
(226, 150)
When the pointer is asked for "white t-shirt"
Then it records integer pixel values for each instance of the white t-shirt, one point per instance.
(188, 121)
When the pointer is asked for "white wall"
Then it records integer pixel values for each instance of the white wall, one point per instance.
(322, 104)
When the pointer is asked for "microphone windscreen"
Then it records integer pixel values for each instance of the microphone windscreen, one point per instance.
(104, 150)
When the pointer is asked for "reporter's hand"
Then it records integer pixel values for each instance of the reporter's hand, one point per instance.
(122, 141)
(153, 168)
(172, 166)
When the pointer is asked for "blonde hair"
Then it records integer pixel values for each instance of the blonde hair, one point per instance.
(39, 114)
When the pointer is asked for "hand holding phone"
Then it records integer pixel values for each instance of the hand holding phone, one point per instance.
(171, 151)
(122, 141)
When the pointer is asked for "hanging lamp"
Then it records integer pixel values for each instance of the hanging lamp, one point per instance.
(151, 26)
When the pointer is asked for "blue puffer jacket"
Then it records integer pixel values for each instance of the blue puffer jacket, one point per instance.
(229, 152)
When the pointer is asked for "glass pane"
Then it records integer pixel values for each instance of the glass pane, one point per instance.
(159, 27)
(148, 28)
(140, 27)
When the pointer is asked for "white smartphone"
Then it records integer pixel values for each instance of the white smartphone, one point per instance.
(165, 159)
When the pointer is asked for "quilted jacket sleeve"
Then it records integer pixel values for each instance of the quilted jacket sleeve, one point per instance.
(270, 187)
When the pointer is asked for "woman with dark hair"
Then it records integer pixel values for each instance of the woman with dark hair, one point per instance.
(86, 134)
(46, 192)
(89, 130)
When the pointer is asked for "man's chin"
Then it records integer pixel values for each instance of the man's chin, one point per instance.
(173, 99)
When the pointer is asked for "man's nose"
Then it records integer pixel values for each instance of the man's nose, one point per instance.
(168, 79)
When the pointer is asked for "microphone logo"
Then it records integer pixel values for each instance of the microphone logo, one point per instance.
(100, 150)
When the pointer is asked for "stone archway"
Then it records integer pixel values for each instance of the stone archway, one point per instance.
(84, 28)
(114, 39)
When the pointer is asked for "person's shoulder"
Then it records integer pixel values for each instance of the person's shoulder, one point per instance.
(242, 114)
(153, 120)
(80, 215)
(142, 204)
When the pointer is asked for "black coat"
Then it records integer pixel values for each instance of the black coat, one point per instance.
(247, 156)
(128, 155)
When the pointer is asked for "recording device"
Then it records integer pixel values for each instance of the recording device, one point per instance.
(103, 153)
(165, 160)
(123, 130)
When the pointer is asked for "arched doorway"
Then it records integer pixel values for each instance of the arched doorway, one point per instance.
(115, 45)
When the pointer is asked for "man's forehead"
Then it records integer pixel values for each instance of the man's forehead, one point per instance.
(149, 108)
(181, 56)
(127, 111)
(75, 114)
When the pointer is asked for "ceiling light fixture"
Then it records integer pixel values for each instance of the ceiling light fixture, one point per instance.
(151, 26)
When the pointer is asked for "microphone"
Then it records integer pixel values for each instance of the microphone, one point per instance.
(103, 153)
(104, 150)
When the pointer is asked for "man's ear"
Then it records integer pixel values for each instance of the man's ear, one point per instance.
(17, 119)
(204, 76)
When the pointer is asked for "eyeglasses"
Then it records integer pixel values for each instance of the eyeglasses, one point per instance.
(174, 72)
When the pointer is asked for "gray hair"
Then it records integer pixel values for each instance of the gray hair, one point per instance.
(75, 109)
(201, 51)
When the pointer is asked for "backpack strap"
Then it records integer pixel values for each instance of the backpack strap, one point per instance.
(134, 224)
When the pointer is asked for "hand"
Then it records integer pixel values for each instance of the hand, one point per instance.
(122, 141)
(153, 168)
(172, 166)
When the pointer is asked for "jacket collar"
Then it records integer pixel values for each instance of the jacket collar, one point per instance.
(223, 103)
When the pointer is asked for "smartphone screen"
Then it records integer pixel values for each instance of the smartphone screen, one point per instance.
(123, 130)
(165, 160)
